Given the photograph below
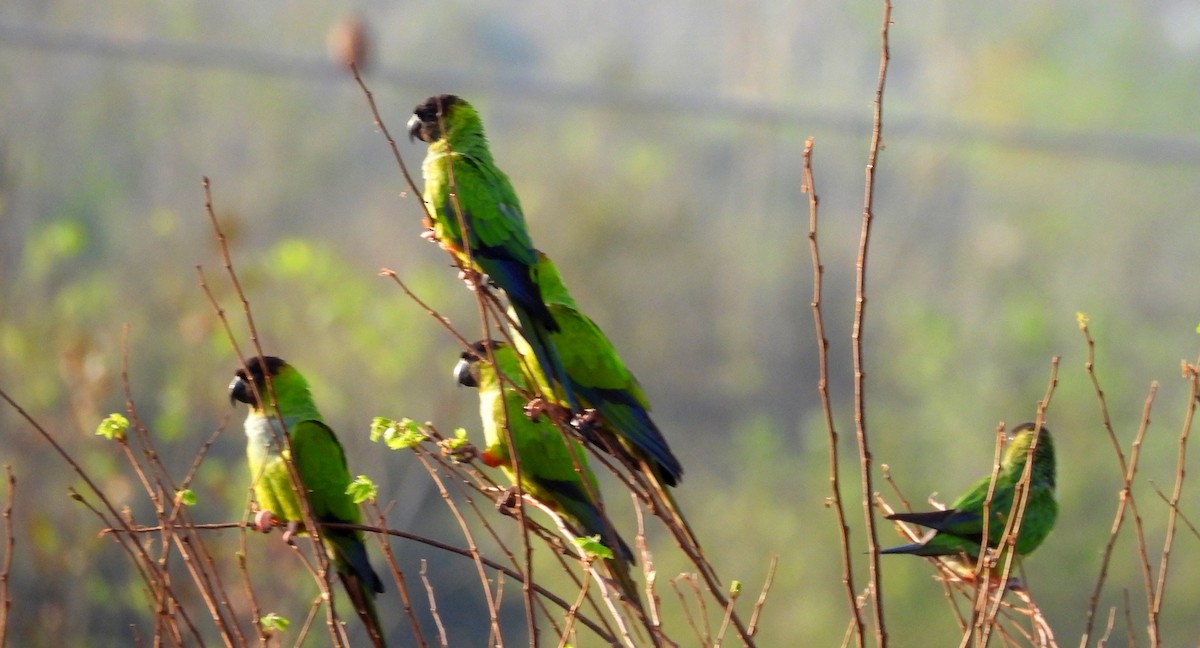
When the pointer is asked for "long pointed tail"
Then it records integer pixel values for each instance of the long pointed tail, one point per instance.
(585, 518)
(635, 431)
(619, 572)
(349, 556)
(364, 606)
(670, 511)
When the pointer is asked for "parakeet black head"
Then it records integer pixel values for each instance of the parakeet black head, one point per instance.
(429, 117)
(466, 372)
(240, 389)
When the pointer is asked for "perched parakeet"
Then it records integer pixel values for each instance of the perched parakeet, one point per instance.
(600, 379)
(461, 179)
(958, 531)
(547, 463)
(321, 466)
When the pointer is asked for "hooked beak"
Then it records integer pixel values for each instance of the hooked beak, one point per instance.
(416, 129)
(240, 392)
(464, 375)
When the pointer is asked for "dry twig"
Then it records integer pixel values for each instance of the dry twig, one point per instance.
(860, 293)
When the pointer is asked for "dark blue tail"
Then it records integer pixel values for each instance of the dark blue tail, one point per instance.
(627, 416)
(349, 556)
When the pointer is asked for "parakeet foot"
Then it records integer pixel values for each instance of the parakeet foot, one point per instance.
(506, 501)
(587, 423)
(586, 419)
(289, 535)
(535, 408)
(464, 453)
(430, 235)
(264, 521)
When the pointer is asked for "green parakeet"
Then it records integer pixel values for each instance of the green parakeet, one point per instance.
(321, 466)
(547, 463)
(462, 179)
(958, 531)
(600, 379)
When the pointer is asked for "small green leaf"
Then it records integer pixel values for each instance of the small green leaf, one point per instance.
(460, 439)
(362, 489)
(735, 589)
(113, 427)
(272, 621)
(187, 497)
(592, 546)
(379, 424)
(398, 435)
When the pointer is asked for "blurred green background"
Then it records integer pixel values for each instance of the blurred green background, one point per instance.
(1041, 159)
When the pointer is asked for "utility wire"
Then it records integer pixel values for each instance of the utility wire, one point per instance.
(1126, 147)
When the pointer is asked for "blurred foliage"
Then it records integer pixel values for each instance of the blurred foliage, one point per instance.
(681, 230)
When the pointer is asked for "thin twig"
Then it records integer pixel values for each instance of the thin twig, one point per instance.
(589, 566)
(398, 578)
(1125, 498)
(469, 553)
(388, 136)
(9, 545)
(247, 584)
(1042, 634)
(1193, 378)
(441, 319)
(752, 626)
(136, 551)
(437, 618)
(309, 620)
(147, 569)
(476, 556)
(485, 486)
(886, 471)
(702, 636)
(565, 637)
(1143, 547)
(1131, 638)
(1167, 500)
(1108, 628)
(168, 508)
(465, 552)
(860, 294)
(835, 488)
(315, 573)
(947, 577)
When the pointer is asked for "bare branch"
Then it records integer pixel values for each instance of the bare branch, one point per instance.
(9, 545)
(860, 293)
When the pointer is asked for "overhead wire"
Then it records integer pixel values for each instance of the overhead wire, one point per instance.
(1126, 147)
